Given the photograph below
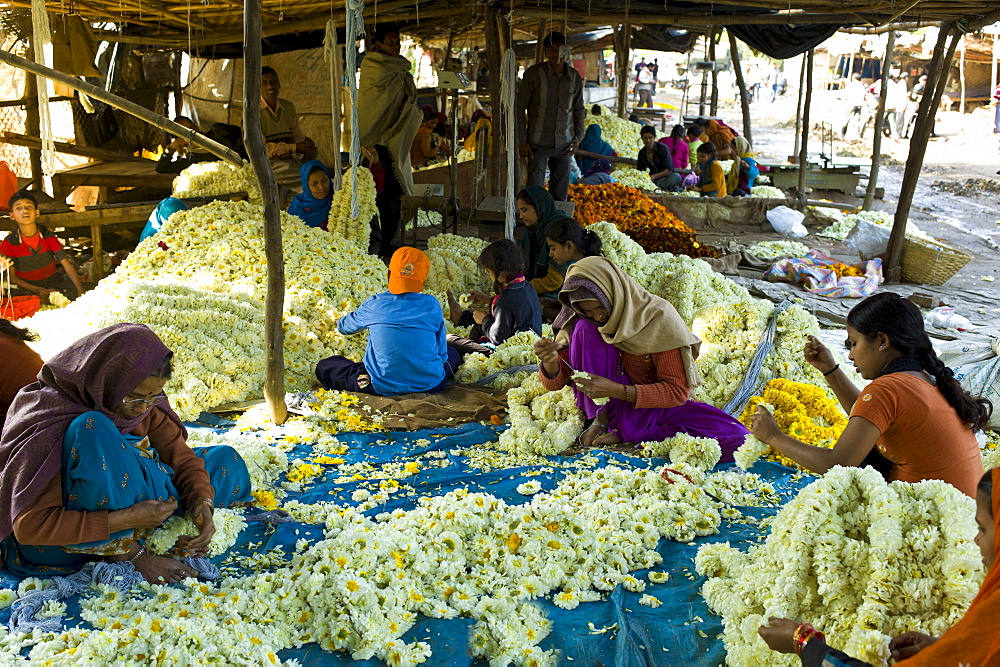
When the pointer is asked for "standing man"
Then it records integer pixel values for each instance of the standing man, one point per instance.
(284, 142)
(896, 100)
(645, 87)
(387, 126)
(548, 117)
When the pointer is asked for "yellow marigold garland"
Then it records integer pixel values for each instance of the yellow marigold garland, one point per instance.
(802, 411)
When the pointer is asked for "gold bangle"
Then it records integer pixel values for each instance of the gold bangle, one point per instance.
(206, 501)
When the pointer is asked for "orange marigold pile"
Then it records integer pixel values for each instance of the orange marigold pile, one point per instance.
(846, 270)
(649, 224)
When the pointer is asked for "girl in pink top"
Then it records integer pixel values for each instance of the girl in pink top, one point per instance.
(678, 147)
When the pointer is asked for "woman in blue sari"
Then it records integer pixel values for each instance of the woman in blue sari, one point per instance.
(313, 204)
(93, 458)
(594, 142)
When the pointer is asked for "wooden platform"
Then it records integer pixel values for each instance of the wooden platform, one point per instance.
(112, 175)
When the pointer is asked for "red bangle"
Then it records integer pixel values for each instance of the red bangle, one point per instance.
(803, 634)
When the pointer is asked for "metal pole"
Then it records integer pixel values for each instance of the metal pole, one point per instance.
(253, 137)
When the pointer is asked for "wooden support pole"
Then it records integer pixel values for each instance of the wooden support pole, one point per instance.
(128, 107)
(804, 148)
(712, 55)
(539, 49)
(961, 75)
(32, 123)
(798, 108)
(890, 44)
(937, 81)
(623, 48)
(993, 62)
(253, 137)
(734, 55)
(496, 181)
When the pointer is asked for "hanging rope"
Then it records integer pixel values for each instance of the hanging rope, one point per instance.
(42, 43)
(747, 387)
(355, 29)
(508, 83)
(331, 53)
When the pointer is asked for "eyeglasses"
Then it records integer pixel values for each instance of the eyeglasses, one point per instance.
(142, 402)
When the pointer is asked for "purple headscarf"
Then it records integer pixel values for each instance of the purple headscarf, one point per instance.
(573, 290)
(94, 373)
(601, 166)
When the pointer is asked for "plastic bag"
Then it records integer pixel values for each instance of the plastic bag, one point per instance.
(787, 222)
(8, 185)
(945, 317)
(868, 238)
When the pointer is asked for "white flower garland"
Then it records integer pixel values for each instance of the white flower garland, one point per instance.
(700, 453)
(860, 559)
(775, 249)
(228, 525)
(356, 230)
(541, 422)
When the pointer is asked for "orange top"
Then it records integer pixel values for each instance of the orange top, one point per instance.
(921, 433)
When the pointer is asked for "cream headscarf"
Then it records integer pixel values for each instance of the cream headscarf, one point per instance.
(388, 98)
(638, 322)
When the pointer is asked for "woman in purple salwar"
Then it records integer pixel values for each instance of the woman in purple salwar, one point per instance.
(638, 353)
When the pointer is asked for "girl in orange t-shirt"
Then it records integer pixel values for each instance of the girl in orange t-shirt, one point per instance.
(914, 421)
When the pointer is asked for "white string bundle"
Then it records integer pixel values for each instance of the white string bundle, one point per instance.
(7, 309)
(42, 43)
(355, 29)
(508, 82)
(331, 53)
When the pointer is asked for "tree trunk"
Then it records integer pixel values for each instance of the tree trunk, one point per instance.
(890, 44)
(798, 108)
(713, 107)
(734, 55)
(253, 137)
(937, 81)
(623, 47)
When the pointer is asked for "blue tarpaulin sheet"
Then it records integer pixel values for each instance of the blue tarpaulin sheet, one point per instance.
(666, 635)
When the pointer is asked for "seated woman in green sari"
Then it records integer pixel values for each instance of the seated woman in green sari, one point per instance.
(93, 458)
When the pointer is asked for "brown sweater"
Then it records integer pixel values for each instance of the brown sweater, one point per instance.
(19, 366)
(48, 522)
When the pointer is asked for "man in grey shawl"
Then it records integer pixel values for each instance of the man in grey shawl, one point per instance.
(388, 98)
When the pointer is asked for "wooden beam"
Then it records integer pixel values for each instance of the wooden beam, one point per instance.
(127, 106)
(713, 42)
(495, 183)
(16, 139)
(32, 122)
(937, 81)
(734, 55)
(623, 69)
(890, 45)
(688, 20)
(806, 108)
(253, 137)
(610, 158)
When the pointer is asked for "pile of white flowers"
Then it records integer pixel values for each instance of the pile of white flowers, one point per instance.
(700, 453)
(228, 525)
(453, 264)
(775, 249)
(209, 179)
(361, 588)
(541, 422)
(58, 299)
(634, 178)
(200, 284)
(623, 135)
(730, 334)
(767, 192)
(860, 559)
(356, 230)
(845, 222)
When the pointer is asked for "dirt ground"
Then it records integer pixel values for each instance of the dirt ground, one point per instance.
(965, 148)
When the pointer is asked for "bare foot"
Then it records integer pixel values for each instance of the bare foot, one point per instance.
(607, 440)
(591, 434)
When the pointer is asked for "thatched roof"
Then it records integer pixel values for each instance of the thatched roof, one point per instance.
(190, 25)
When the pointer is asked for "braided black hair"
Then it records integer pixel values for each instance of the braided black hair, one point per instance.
(900, 320)
(16, 332)
(504, 259)
(566, 230)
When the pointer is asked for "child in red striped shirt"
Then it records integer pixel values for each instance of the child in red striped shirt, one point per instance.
(40, 263)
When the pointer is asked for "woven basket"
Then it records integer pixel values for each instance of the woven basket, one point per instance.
(931, 263)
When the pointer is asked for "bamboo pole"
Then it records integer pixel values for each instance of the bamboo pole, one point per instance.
(798, 108)
(804, 148)
(539, 49)
(993, 62)
(961, 74)
(734, 56)
(128, 107)
(253, 137)
(336, 98)
(32, 123)
(713, 106)
(890, 44)
(941, 71)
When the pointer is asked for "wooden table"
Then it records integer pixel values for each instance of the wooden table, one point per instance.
(837, 176)
(112, 175)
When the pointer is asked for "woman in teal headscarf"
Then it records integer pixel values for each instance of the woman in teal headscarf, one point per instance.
(160, 214)
(594, 142)
(537, 211)
(313, 204)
